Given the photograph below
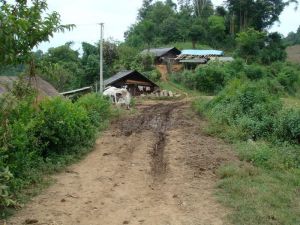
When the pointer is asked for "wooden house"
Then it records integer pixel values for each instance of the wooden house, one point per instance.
(135, 82)
(163, 55)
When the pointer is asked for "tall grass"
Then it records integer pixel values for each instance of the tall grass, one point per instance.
(264, 187)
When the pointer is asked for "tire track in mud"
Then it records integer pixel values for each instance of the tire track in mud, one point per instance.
(156, 119)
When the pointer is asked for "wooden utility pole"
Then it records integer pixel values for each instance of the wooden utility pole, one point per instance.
(101, 88)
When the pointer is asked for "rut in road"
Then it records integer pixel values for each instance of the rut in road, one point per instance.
(153, 168)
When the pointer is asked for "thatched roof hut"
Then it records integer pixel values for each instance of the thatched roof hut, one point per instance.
(43, 88)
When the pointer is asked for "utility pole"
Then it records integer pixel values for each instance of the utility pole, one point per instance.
(101, 57)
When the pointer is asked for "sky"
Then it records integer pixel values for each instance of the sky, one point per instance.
(118, 15)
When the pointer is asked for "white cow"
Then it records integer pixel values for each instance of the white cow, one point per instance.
(119, 96)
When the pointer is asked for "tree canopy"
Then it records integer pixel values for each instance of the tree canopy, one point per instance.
(23, 26)
(163, 22)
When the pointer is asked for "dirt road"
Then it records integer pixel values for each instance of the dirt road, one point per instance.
(154, 168)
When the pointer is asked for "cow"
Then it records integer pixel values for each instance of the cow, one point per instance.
(119, 96)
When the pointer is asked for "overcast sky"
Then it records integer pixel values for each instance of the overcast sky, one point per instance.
(118, 15)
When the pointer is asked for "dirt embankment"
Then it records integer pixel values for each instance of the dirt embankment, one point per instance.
(154, 168)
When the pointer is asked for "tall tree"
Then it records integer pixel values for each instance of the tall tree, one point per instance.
(197, 32)
(203, 8)
(143, 11)
(259, 14)
(25, 24)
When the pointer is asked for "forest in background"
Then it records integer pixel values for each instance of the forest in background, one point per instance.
(188, 24)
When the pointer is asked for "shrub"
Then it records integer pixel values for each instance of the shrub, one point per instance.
(288, 77)
(18, 143)
(5, 198)
(288, 126)
(97, 107)
(153, 75)
(247, 107)
(211, 78)
(39, 138)
(63, 125)
(187, 78)
(255, 72)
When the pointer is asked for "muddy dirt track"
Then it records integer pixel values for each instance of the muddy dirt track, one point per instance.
(154, 168)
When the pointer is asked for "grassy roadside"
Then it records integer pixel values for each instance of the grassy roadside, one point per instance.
(265, 187)
(42, 140)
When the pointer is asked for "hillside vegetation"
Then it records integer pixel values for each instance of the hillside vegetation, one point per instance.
(38, 139)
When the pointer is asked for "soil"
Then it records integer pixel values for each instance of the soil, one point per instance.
(156, 167)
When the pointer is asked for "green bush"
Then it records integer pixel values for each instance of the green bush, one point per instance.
(19, 147)
(5, 198)
(246, 106)
(37, 138)
(153, 75)
(63, 125)
(288, 126)
(288, 77)
(211, 78)
(97, 107)
(255, 72)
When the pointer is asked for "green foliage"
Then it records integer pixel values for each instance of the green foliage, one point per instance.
(274, 49)
(197, 32)
(217, 28)
(279, 77)
(210, 78)
(256, 14)
(256, 46)
(248, 107)
(255, 71)
(97, 107)
(288, 125)
(5, 198)
(288, 77)
(160, 23)
(63, 125)
(38, 138)
(259, 196)
(250, 43)
(293, 38)
(23, 32)
(153, 75)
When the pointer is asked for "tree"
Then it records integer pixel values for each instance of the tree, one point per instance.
(203, 8)
(146, 30)
(274, 49)
(170, 30)
(60, 61)
(250, 43)
(23, 26)
(293, 38)
(217, 28)
(143, 11)
(197, 33)
(91, 57)
(258, 14)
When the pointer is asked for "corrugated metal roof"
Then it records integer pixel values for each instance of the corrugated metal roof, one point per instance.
(76, 91)
(158, 52)
(223, 59)
(202, 52)
(194, 61)
(123, 74)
